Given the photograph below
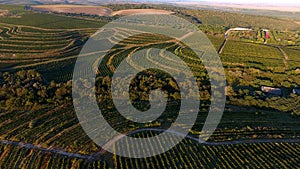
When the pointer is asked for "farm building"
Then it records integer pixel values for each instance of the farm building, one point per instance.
(296, 91)
(267, 35)
(271, 90)
(236, 29)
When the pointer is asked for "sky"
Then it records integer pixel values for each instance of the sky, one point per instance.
(283, 2)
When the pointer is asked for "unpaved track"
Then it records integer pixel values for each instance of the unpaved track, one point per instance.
(49, 150)
(118, 137)
(222, 46)
(286, 57)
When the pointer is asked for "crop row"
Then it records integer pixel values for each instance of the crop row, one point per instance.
(17, 43)
(187, 154)
(17, 157)
(248, 49)
(190, 154)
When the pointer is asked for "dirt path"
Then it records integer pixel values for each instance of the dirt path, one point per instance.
(222, 46)
(118, 137)
(49, 150)
(286, 57)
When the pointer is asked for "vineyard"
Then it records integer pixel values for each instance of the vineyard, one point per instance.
(294, 59)
(188, 154)
(257, 130)
(252, 56)
(59, 128)
(18, 157)
(24, 45)
(48, 21)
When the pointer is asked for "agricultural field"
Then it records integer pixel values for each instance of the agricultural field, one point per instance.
(22, 44)
(217, 18)
(13, 10)
(251, 55)
(39, 127)
(93, 10)
(18, 157)
(73, 9)
(52, 21)
(141, 11)
(188, 154)
(59, 128)
(48, 21)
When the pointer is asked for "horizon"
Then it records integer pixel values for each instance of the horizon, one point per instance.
(269, 2)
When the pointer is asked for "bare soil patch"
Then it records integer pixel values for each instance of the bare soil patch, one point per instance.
(141, 11)
(4, 13)
(94, 10)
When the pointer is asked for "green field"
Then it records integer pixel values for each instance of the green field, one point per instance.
(59, 129)
(50, 21)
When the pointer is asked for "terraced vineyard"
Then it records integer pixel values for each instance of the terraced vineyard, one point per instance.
(46, 128)
(23, 45)
(257, 130)
(59, 129)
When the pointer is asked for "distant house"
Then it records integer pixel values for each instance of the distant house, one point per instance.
(296, 91)
(271, 90)
(265, 30)
(267, 34)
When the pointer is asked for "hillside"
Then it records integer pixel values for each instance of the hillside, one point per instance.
(41, 128)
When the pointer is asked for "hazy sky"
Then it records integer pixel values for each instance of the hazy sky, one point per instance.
(257, 1)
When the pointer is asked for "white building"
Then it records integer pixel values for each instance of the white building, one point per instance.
(271, 90)
(296, 91)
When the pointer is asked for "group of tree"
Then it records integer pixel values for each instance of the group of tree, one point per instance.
(27, 89)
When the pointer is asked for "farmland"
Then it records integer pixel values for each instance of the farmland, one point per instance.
(74, 9)
(21, 45)
(141, 11)
(192, 155)
(39, 127)
(48, 21)
(92, 10)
